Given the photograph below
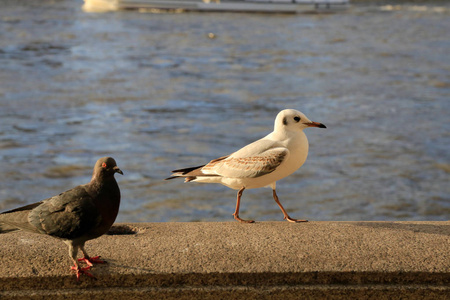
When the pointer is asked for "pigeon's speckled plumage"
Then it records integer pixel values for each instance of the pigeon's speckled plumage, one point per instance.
(260, 163)
(75, 216)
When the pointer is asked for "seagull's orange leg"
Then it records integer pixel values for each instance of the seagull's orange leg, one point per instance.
(286, 216)
(238, 203)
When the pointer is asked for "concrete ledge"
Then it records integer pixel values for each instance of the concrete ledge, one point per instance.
(276, 260)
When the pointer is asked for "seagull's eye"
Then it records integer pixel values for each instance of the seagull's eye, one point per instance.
(104, 165)
(297, 119)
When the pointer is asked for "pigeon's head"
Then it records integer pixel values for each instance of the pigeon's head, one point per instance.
(105, 167)
(294, 120)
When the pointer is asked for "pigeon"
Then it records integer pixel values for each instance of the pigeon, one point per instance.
(75, 216)
(261, 163)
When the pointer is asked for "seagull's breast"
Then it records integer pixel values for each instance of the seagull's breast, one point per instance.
(298, 152)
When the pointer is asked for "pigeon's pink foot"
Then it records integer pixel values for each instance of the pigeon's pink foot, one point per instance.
(79, 271)
(90, 261)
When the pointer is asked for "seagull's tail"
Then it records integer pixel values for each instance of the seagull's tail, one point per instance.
(184, 173)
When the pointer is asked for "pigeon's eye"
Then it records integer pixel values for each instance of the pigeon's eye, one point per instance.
(297, 119)
(104, 165)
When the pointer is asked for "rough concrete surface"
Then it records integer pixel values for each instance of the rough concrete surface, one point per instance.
(229, 260)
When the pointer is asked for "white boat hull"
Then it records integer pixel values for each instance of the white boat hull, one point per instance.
(264, 6)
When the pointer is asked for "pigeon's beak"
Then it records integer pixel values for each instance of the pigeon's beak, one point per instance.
(316, 124)
(117, 170)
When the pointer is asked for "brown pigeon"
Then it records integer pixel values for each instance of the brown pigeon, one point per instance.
(75, 216)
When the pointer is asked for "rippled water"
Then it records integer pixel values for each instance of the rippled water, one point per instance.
(156, 93)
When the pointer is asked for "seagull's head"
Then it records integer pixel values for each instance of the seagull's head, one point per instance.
(294, 120)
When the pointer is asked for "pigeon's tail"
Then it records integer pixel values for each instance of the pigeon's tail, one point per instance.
(16, 219)
(4, 228)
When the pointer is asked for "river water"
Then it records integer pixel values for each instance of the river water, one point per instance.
(157, 93)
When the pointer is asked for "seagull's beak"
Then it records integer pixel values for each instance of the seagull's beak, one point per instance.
(117, 170)
(316, 124)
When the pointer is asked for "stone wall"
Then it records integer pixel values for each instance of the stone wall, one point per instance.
(229, 260)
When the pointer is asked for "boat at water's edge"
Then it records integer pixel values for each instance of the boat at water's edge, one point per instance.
(264, 6)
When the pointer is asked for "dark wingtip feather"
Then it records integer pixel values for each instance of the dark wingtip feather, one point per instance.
(181, 172)
(187, 170)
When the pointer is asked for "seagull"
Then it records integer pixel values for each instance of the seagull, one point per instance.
(261, 163)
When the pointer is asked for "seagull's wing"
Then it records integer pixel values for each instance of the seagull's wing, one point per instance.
(248, 167)
(254, 160)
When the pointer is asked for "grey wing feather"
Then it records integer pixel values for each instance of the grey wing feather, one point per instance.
(68, 215)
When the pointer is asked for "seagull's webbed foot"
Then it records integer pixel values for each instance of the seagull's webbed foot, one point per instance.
(289, 219)
(236, 216)
(285, 214)
(80, 271)
(90, 261)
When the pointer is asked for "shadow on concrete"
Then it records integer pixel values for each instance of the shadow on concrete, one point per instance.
(120, 265)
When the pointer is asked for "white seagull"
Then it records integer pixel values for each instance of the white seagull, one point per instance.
(261, 163)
